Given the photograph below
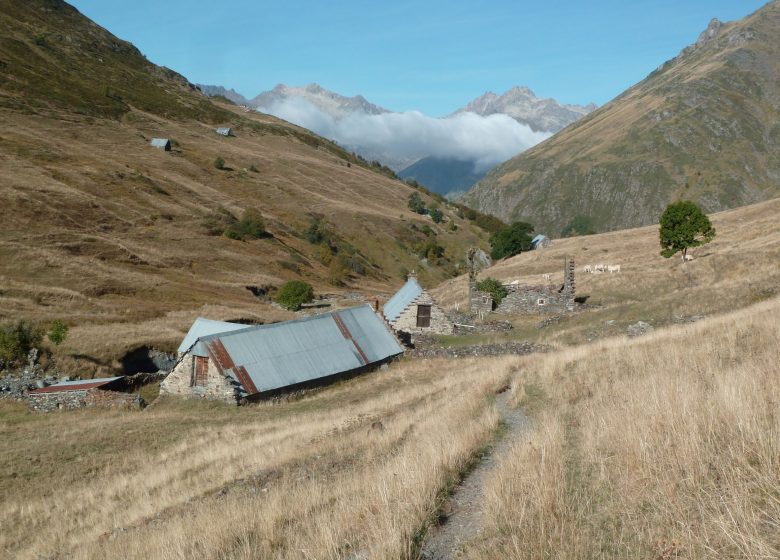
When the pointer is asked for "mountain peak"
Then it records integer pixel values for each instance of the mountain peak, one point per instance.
(521, 103)
(712, 30)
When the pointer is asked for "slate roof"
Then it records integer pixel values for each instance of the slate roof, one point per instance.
(205, 327)
(401, 300)
(268, 357)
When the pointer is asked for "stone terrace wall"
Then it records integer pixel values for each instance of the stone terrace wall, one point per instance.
(88, 398)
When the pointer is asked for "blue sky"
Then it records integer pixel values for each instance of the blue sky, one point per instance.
(432, 56)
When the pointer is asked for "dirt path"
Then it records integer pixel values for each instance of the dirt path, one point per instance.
(464, 509)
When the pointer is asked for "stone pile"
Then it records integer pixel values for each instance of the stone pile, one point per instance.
(478, 350)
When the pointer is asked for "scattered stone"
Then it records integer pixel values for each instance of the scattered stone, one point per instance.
(478, 350)
(638, 329)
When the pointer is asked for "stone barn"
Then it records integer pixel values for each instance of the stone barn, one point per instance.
(524, 299)
(413, 310)
(263, 360)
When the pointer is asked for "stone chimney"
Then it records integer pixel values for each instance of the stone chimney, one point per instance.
(569, 287)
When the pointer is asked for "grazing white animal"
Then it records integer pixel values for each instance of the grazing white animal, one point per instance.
(546, 277)
(600, 267)
(688, 257)
(587, 268)
(613, 268)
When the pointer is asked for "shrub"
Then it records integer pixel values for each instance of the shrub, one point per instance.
(492, 287)
(416, 203)
(58, 332)
(317, 232)
(251, 226)
(16, 341)
(253, 168)
(293, 294)
(219, 163)
(436, 215)
(511, 240)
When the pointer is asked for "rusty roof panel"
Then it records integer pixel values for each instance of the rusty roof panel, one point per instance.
(79, 385)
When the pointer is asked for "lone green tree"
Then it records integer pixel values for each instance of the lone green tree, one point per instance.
(293, 294)
(684, 225)
(58, 332)
(416, 204)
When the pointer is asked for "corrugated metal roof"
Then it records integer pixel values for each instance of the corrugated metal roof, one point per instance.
(283, 354)
(402, 298)
(160, 142)
(538, 239)
(205, 327)
(80, 385)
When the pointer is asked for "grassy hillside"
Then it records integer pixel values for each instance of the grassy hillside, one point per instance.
(663, 446)
(121, 239)
(704, 126)
(738, 268)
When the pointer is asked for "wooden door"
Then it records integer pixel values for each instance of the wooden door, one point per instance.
(201, 366)
(423, 315)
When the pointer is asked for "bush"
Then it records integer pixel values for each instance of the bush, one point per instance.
(436, 215)
(317, 232)
(58, 332)
(251, 226)
(511, 240)
(416, 203)
(219, 163)
(293, 294)
(492, 287)
(16, 341)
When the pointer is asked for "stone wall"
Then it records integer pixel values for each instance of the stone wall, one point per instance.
(480, 303)
(86, 398)
(407, 320)
(524, 299)
(181, 382)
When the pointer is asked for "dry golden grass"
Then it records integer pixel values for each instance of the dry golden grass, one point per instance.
(662, 447)
(738, 268)
(313, 478)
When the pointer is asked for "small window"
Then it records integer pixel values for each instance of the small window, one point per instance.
(541, 301)
(423, 315)
(200, 368)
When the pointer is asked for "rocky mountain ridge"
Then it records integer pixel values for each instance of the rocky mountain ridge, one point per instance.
(525, 107)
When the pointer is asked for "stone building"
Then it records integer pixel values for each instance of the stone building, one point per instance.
(161, 143)
(529, 299)
(413, 310)
(540, 241)
(262, 360)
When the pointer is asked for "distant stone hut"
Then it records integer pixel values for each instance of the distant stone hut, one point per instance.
(224, 131)
(413, 310)
(540, 242)
(161, 143)
(528, 299)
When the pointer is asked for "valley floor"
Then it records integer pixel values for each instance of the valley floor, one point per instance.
(664, 446)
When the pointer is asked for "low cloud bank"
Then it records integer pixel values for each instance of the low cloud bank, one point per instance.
(406, 137)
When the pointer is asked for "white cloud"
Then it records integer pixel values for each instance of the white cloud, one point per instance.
(406, 137)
